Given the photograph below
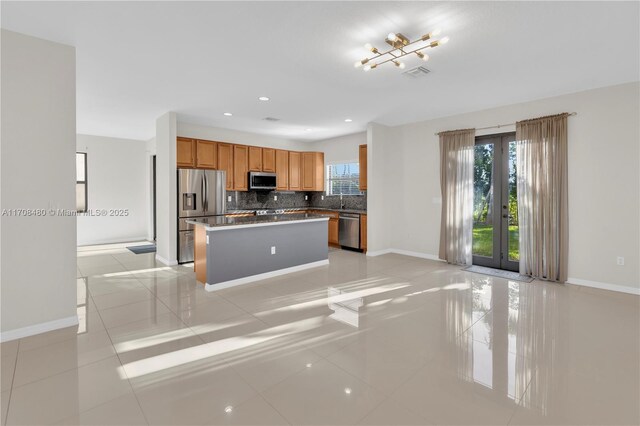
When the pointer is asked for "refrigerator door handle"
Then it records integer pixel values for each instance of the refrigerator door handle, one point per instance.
(206, 192)
(202, 192)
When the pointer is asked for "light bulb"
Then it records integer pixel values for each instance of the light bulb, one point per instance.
(444, 40)
(424, 57)
(435, 32)
(367, 67)
(392, 37)
(263, 98)
(228, 114)
(368, 46)
(358, 64)
(402, 65)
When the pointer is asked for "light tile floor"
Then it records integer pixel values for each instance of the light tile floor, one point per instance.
(382, 341)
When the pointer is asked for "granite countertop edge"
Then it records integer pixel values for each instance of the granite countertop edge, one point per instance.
(224, 222)
(292, 209)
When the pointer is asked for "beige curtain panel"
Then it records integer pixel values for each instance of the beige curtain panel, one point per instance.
(456, 186)
(542, 196)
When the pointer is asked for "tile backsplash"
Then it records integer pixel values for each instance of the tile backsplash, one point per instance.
(256, 200)
(351, 202)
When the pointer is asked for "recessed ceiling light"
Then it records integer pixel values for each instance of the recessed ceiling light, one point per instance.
(348, 120)
(228, 114)
(228, 409)
(263, 98)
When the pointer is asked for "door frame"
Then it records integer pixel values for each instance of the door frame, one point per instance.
(500, 207)
(153, 197)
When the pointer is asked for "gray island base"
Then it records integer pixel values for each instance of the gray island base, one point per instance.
(234, 251)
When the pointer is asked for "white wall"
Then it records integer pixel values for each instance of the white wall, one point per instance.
(166, 189)
(38, 253)
(342, 149)
(196, 131)
(117, 173)
(604, 190)
(381, 195)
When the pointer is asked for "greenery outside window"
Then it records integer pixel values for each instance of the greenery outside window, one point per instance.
(81, 182)
(343, 179)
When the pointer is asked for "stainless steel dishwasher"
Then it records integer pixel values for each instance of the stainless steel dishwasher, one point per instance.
(349, 230)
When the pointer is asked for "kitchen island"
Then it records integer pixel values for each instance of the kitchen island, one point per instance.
(230, 251)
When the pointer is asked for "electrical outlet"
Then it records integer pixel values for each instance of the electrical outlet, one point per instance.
(306, 197)
(322, 197)
(229, 198)
(275, 198)
(620, 261)
(273, 249)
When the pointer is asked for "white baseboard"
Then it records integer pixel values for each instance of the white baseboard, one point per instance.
(417, 254)
(165, 261)
(378, 252)
(405, 253)
(113, 241)
(604, 286)
(43, 327)
(252, 278)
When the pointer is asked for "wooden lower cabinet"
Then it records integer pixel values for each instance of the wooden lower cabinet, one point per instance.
(333, 232)
(185, 152)
(240, 167)
(363, 232)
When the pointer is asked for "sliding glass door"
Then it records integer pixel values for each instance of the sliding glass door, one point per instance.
(495, 203)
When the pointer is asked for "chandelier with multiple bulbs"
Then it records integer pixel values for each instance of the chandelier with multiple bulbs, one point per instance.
(401, 46)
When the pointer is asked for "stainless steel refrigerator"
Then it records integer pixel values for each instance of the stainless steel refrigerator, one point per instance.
(201, 193)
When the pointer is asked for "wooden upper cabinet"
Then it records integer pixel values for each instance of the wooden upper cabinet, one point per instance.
(363, 167)
(225, 162)
(281, 169)
(206, 155)
(268, 160)
(240, 167)
(313, 171)
(185, 152)
(319, 171)
(294, 171)
(255, 159)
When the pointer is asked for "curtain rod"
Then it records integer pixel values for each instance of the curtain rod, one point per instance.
(497, 126)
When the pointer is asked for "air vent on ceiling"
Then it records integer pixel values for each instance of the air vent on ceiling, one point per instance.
(417, 72)
(271, 119)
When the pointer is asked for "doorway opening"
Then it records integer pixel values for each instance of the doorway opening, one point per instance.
(495, 203)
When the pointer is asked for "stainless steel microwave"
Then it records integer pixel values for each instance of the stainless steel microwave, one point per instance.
(261, 180)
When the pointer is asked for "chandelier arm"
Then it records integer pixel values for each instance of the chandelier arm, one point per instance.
(400, 56)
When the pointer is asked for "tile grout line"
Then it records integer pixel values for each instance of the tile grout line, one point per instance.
(13, 377)
(133, 391)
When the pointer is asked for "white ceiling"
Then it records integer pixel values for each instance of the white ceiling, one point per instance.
(138, 60)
